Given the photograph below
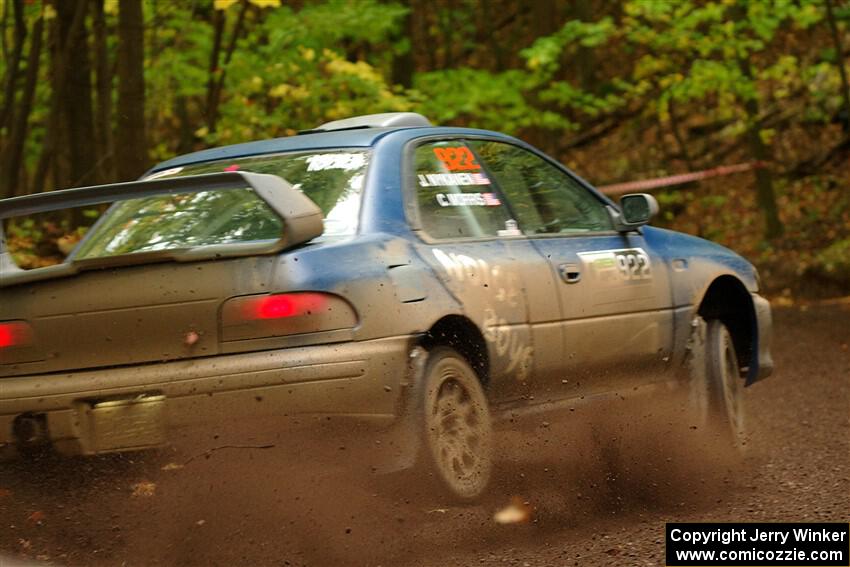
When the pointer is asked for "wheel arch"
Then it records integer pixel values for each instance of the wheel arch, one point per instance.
(461, 334)
(728, 300)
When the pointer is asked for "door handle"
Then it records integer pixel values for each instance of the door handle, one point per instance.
(570, 273)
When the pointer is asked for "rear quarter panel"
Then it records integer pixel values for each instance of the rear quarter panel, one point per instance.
(393, 291)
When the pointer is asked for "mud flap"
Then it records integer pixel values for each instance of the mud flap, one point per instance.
(404, 437)
(696, 365)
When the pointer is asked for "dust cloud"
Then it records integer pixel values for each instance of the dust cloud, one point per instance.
(313, 491)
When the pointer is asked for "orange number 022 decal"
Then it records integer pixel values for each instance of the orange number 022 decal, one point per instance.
(457, 159)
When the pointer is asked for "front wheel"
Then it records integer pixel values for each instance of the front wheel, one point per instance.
(458, 435)
(725, 385)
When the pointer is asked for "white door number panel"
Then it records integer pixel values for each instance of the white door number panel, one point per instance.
(630, 265)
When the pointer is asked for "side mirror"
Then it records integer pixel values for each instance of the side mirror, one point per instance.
(636, 210)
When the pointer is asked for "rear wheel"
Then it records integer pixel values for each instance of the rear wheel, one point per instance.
(458, 436)
(725, 385)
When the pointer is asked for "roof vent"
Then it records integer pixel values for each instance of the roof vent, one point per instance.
(384, 120)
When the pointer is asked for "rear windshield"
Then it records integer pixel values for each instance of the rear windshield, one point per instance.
(331, 179)
(184, 220)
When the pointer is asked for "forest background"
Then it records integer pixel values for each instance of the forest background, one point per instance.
(96, 91)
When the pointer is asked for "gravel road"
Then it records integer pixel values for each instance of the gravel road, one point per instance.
(596, 487)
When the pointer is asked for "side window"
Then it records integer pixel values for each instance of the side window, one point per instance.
(455, 197)
(544, 199)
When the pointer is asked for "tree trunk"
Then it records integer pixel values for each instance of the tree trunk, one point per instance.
(544, 22)
(218, 33)
(544, 17)
(218, 69)
(4, 49)
(185, 133)
(402, 70)
(77, 102)
(490, 31)
(839, 62)
(446, 26)
(12, 163)
(680, 140)
(585, 56)
(11, 79)
(131, 148)
(54, 150)
(103, 81)
(765, 195)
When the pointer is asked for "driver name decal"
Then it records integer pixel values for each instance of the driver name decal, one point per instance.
(467, 200)
(452, 179)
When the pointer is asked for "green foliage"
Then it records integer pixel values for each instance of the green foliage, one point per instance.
(37, 241)
(660, 86)
(481, 99)
(690, 53)
(834, 261)
(295, 67)
(715, 54)
(545, 54)
(287, 72)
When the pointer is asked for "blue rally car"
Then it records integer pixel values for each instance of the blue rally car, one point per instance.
(380, 268)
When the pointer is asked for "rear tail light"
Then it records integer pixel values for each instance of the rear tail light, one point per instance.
(15, 334)
(284, 305)
(260, 316)
(17, 342)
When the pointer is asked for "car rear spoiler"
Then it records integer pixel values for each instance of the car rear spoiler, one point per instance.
(303, 219)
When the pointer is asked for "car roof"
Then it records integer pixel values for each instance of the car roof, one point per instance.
(312, 140)
(363, 137)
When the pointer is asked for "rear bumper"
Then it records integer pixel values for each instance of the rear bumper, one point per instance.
(762, 365)
(139, 403)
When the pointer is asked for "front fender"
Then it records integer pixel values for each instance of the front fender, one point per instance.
(762, 363)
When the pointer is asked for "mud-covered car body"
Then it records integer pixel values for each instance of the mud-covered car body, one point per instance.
(545, 306)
